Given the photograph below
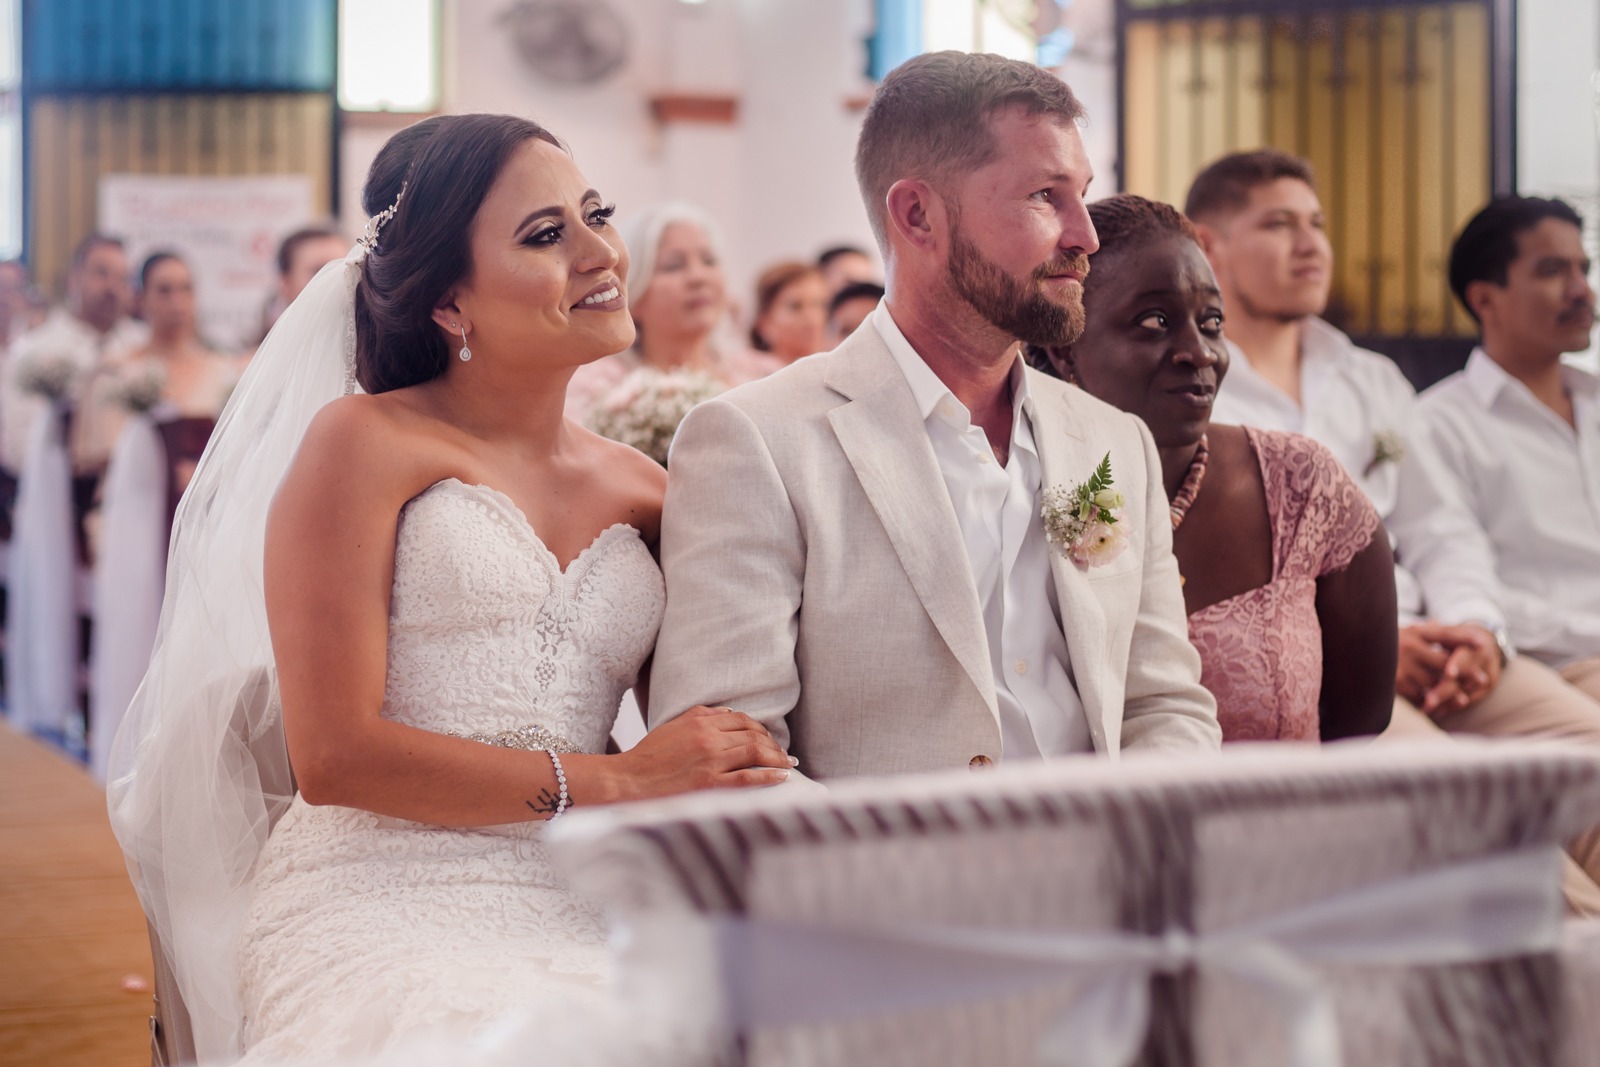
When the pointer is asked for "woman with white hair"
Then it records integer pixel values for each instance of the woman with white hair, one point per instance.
(679, 303)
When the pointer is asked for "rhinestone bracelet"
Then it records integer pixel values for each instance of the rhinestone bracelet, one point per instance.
(561, 782)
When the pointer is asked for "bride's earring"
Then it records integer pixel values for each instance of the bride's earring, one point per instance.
(466, 353)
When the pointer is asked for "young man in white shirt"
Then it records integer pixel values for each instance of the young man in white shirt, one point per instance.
(90, 326)
(1520, 431)
(1261, 225)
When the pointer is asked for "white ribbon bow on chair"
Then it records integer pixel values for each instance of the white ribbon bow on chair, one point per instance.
(777, 973)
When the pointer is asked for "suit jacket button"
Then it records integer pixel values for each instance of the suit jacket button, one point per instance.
(979, 761)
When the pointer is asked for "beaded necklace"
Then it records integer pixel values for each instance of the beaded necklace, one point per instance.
(1189, 490)
(1191, 483)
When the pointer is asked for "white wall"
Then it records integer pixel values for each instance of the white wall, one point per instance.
(779, 179)
(1558, 110)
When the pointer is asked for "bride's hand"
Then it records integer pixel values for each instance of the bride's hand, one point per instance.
(704, 748)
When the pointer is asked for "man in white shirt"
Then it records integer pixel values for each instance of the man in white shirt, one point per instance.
(1261, 225)
(92, 325)
(853, 547)
(1520, 431)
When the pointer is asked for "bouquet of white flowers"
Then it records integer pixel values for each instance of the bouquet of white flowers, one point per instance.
(645, 408)
(138, 389)
(51, 376)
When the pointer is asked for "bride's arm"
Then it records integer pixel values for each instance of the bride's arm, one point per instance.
(329, 568)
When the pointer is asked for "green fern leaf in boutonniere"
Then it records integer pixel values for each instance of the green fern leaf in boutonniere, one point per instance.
(1084, 522)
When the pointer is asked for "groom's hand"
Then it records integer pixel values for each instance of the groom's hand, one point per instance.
(704, 748)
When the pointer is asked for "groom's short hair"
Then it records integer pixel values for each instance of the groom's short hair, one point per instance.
(930, 120)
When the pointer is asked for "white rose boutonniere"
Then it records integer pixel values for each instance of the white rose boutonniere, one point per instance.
(1387, 447)
(1084, 523)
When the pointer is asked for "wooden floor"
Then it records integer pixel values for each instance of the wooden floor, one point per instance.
(70, 926)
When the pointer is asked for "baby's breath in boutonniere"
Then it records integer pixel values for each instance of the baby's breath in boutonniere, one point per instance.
(1387, 447)
(1084, 523)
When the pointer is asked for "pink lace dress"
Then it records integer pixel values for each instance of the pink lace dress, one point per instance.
(1261, 651)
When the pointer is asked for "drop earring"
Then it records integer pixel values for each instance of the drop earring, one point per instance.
(466, 353)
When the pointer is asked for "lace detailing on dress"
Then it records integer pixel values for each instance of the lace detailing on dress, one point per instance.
(1261, 651)
(487, 633)
(362, 927)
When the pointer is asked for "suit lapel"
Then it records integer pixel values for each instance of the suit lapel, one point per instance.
(1066, 459)
(886, 442)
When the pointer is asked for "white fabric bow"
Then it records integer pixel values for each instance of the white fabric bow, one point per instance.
(778, 973)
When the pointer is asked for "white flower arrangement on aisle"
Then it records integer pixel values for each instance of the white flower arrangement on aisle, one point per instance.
(644, 409)
(1084, 523)
(51, 376)
(138, 390)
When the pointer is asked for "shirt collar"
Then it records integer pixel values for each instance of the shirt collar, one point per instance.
(934, 399)
(1488, 380)
(1320, 341)
(1485, 377)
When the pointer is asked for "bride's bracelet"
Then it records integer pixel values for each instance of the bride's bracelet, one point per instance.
(564, 800)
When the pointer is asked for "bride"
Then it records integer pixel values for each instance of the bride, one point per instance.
(450, 593)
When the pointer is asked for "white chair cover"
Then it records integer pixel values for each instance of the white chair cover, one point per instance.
(42, 624)
(130, 574)
(1275, 906)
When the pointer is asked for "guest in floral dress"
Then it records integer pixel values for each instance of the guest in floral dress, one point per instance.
(1288, 584)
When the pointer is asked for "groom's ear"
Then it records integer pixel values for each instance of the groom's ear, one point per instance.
(915, 213)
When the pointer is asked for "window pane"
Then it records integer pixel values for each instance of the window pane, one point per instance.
(10, 56)
(388, 55)
(950, 24)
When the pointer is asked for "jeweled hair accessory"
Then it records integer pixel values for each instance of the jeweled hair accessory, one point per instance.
(368, 241)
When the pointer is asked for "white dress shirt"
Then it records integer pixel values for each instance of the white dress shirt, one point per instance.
(997, 509)
(1359, 405)
(1534, 484)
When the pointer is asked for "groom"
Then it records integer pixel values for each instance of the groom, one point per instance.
(853, 547)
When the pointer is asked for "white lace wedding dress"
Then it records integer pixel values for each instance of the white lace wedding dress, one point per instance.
(364, 928)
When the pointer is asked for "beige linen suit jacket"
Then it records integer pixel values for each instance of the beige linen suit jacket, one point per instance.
(817, 579)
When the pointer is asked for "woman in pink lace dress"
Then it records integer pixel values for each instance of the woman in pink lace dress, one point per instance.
(1288, 583)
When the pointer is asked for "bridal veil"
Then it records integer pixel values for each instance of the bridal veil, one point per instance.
(199, 771)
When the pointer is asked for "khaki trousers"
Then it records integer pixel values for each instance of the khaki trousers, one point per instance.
(1585, 674)
(1531, 701)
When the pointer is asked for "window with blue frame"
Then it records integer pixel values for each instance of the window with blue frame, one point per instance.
(179, 45)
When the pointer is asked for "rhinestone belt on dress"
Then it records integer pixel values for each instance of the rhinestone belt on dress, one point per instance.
(532, 738)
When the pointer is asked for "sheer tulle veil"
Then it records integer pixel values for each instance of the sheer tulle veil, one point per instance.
(198, 771)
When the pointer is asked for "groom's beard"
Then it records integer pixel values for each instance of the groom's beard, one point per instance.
(1021, 309)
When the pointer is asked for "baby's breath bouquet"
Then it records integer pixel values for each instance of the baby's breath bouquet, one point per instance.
(138, 389)
(645, 408)
(49, 375)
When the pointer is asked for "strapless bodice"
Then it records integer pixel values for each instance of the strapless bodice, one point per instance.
(489, 636)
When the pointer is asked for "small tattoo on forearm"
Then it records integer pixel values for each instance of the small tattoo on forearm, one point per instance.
(548, 803)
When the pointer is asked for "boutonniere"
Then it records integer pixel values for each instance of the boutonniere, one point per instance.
(1387, 447)
(1084, 523)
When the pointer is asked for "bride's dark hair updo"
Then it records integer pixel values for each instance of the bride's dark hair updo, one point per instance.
(446, 165)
